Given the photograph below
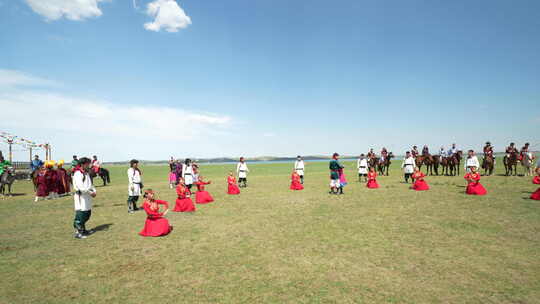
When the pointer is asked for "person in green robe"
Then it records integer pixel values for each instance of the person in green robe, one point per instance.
(4, 164)
(335, 166)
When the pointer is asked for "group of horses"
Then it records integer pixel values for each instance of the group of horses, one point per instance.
(450, 166)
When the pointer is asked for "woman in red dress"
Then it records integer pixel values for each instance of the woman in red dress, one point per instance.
(372, 179)
(474, 187)
(51, 179)
(295, 181)
(232, 186)
(64, 179)
(41, 184)
(419, 182)
(156, 224)
(202, 196)
(536, 194)
(536, 179)
(183, 202)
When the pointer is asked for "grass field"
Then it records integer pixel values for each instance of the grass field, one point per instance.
(272, 245)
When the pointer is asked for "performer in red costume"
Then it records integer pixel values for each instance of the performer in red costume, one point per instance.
(202, 196)
(474, 187)
(51, 178)
(232, 186)
(183, 202)
(419, 182)
(372, 179)
(296, 183)
(40, 180)
(155, 224)
(536, 194)
(64, 179)
(536, 179)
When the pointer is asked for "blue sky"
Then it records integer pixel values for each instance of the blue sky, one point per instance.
(268, 77)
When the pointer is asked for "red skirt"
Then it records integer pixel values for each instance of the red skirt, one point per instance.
(233, 189)
(536, 180)
(184, 205)
(536, 195)
(372, 184)
(203, 197)
(296, 185)
(42, 190)
(420, 185)
(156, 227)
(476, 189)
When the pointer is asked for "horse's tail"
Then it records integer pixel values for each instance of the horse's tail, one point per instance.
(107, 176)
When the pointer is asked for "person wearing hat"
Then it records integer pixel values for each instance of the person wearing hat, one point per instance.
(36, 164)
(84, 192)
(408, 166)
(135, 185)
(524, 151)
(414, 151)
(471, 161)
(64, 179)
(488, 152)
(4, 164)
(335, 183)
(74, 162)
(188, 173)
(362, 166)
(299, 168)
(242, 171)
(51, 177)
(96, 164)
(511, 149)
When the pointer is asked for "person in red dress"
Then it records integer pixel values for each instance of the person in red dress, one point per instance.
(536, 194)
(296, 183)
(40, 181)
(202, 196)
(372, 179)
(183, 202)
(474, 187)
(536, 179)
(64, 179)
(51, 179)
(155, 224)
(419, 182)
(232, 186)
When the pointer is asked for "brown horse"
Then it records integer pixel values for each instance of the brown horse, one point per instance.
(425, 160)
(510, 163)
(454, 162)
(488, 164)
(372, 162)
(445, 164)
(384, 166)
(436, 163)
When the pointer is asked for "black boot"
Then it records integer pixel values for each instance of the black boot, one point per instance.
(301, 180)
(340, 190)
(130, 204)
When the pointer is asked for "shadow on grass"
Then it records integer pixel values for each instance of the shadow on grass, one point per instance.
(14, 194)
(102, 227)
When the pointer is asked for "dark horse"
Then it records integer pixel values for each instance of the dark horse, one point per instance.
(488, 164)
(7, 178)
(372, 162)
(445, 164)
(454, 162)
(510, 163)
(103, 173)
(425, 160)
(384, 165)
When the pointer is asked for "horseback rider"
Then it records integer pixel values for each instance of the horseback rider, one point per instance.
(511, 150)
(442, 153)
(371, 154)
(452, 150)
(414, 151)
(425, 150)
(523, 152)
(4, 164)
(488, 152)
(35, 164)
(384, 155)
(96, 164)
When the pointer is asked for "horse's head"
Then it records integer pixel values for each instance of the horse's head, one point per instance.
(459, 155)
(390, 155)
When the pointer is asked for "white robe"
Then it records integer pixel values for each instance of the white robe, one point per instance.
(135, 180)
(242, 170)
(472, 162)
(187, 174)
(299, 167)
(408, 165)
(82, 183)
(362, 166)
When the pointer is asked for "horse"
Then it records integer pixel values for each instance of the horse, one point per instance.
(528, 163)
(428, 161)
(436, 163)
(372, 162)
(419, 160)
(384, 165)
(510, 163)
(7, 178)
(454, 162)
(103, 173)
(445, 164)
(488, 164)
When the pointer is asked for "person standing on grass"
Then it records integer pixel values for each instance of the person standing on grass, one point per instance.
(335, 166)
(472, 161)
(188, 173)
(299, 168)
(64, 179)
(362, 166)
(84, 192)
(408, 166)
(242, 171)
(135, 185)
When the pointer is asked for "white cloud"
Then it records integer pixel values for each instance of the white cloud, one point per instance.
(13, 78)
(70, 9)
(168, 15)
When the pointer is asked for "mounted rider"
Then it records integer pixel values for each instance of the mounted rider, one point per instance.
(442, 153)
(511, 150)
(384, 155)
(488, 153)
(452, 151)
(96, 164)
(425, 153)
(36, 164)
(524, 151)
(371, 154)
(414, 151)
(4, 164)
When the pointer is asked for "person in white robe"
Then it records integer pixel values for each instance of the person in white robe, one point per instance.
(242, 171)
(299, 167)
(408, 166)
(471, 161)
(188, 173)
(84, 192)
(362, 166)
(135, 185)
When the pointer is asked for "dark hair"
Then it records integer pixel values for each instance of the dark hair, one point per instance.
(187, 161)
(362, 154)
(335, 154)
(471, 150)
(408, 152)
(298, 156)
(132, 162)
(84, 160)
(147, 192)
(74, 156)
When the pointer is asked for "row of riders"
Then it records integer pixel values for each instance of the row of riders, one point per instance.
(450, 160)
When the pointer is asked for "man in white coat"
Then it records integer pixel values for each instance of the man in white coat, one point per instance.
(242, 171)
(408, 166)
(471, 161)
(299, 167)
(84, 192)
(362, 165)
(188, 173)
(135, 185)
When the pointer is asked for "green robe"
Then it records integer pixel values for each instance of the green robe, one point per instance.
(3, 165)
(74, 163)
(334, 166)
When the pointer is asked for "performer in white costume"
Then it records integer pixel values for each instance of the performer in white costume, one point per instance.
(242, 171)
(362, 165)
(84, 192)
(299, 167)
(408, 166)
(188, 173)
(135, 185)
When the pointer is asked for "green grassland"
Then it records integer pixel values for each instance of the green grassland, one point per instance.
(273, 245)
